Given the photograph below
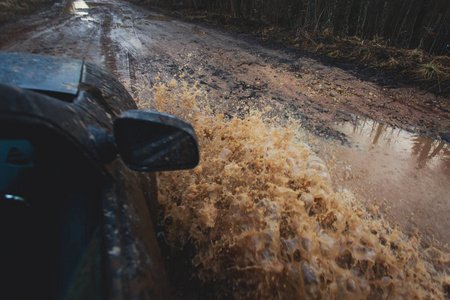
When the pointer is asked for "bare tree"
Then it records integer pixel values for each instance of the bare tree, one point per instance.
(334, 15)
(348, 10)
(404, 23)
(380, 29)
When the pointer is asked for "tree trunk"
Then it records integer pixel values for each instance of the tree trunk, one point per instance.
(364, 17)
(415, 29)
(404, 22)
(380, 29)
(444, 20)
(348, 10)
(394, 31)
(333, 16)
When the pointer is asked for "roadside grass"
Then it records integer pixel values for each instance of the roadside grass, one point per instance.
(13, 9)
(415, 66)
(434, 71)
(418, 66)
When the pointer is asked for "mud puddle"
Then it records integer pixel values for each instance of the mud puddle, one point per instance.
(260, 215)
(259, 218)
(404, 174)
(421, 152)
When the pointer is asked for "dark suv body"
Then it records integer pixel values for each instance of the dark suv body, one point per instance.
(76, 221)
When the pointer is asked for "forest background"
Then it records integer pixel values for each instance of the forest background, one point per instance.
(407, 39)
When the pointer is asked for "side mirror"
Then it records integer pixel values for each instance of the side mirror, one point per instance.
(151, 141)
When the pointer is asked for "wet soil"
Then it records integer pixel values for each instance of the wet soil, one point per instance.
(237, 71)
(399, 175)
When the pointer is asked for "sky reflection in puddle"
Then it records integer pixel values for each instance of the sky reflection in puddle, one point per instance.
(79, 4)
(76, 8)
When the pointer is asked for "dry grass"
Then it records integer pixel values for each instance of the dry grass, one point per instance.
(429, 71)
(416, 66)
(392, 63)
(435, 70)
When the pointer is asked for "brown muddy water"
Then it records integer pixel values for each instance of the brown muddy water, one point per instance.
(261, 218)
(270, 213)
(407, 176)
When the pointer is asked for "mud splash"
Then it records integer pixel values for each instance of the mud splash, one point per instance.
(259, 219)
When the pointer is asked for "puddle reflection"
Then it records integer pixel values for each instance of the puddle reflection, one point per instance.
(79, 7)
(80, 4)
(76, 8)
(404, 174)
(369, 135)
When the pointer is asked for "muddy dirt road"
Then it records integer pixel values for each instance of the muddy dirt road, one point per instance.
(406, 175)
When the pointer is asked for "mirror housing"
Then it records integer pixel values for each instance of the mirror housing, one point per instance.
(151, 141)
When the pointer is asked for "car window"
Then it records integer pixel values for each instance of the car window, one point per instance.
(86, 281)
(50, 222)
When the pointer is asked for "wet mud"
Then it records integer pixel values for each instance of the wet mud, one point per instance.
(259, 218)
(404, 174)
(392, 173)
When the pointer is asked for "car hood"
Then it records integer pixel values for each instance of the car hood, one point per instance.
(58, 77)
